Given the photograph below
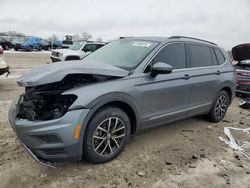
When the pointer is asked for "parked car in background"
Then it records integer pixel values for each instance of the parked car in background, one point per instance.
(66, 43)
(76, 51)
(89, 108)
(57, 44)
(241, 54)
(6, 44)
(46, 45)
(28, 43)
(4, 68)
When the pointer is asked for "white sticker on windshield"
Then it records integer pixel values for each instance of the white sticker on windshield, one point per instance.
(141, 44)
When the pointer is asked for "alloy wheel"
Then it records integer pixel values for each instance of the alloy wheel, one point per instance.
(108, 136)
(221, 106)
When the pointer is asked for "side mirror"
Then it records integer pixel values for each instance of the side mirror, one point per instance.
(161, 68)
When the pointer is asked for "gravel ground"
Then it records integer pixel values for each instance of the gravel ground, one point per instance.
(187, 153)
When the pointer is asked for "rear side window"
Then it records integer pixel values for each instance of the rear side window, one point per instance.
(173, 54)
(200, 56)
(220, 57)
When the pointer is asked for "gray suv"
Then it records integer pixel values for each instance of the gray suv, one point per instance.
(89, 108)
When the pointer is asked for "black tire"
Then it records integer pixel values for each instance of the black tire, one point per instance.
(16, 49)
(218, 111)
(114, 146)
(30, 49)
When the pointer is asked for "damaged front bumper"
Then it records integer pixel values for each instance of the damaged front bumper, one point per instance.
(51, 140)
(40, 161)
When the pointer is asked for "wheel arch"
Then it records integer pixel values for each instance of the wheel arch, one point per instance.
(125, 105)
(72, 57)
(229, 92)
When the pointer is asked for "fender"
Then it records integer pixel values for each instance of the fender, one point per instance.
(101, 101)
(229, 85)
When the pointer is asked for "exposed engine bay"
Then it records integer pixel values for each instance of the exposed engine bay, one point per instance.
(46, 102)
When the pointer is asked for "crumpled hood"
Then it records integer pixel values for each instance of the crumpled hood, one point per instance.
(241, 52)
(57, 71)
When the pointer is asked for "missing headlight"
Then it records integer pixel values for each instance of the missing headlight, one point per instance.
(46, 106)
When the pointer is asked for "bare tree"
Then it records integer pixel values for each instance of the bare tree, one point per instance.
(12, 33)
(86, 36)
(99, 39)
(53, 39)
(76, 37)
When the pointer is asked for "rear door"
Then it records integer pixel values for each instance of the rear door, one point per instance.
(205, 77)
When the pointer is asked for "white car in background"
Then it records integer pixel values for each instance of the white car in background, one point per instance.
(76, 51)
(4, 68)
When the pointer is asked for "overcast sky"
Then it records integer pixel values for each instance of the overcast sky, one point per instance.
(225, 22)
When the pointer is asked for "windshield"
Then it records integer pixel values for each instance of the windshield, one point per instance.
(76, 46)
(126, 54)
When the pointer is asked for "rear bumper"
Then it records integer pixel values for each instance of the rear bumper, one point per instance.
(51, 140)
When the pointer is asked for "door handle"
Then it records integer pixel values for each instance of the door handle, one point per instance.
(186, 76)
(218, 72)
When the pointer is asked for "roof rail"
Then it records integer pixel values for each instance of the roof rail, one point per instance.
(175, 37)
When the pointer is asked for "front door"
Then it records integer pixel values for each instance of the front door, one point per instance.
(165, 98)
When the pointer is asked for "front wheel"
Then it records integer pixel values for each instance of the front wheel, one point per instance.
(106, 136)
(219, 107)
(30, 49)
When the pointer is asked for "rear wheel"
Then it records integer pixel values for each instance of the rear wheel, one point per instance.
(107, 135)
(219, 107)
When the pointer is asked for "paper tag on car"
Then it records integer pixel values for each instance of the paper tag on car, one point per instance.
(141, 44)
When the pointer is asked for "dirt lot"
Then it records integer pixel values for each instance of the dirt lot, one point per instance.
(183, 154)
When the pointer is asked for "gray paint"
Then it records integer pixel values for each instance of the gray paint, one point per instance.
(155, 101)
(57, 71)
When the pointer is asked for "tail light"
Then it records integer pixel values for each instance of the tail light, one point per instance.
(1, 50)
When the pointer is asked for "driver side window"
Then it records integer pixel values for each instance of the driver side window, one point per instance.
(172, 54)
